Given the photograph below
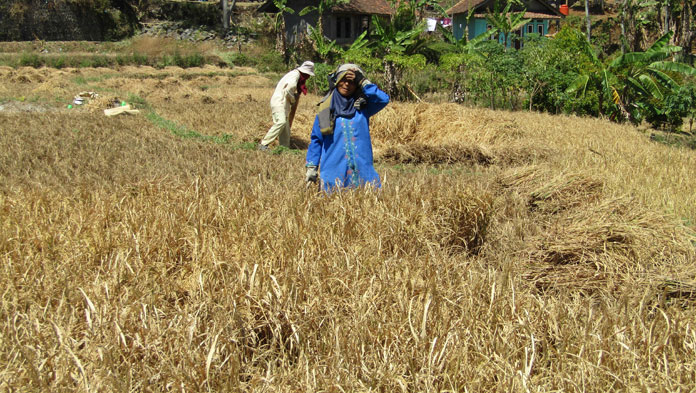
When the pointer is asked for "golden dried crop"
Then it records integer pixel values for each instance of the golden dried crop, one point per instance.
(506, 251)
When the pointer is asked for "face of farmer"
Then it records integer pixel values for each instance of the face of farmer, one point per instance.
(347, 86)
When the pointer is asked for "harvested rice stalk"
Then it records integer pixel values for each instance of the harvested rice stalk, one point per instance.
(415, 153)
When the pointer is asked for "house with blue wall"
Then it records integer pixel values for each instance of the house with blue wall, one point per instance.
(469, 17)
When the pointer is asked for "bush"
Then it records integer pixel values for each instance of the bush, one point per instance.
(192, 60)
(433, 52)
(319, 83)
(672, 109)
(140, 59)
(57, 62)
(425, 80)
(30, 60)
(271, 62)
(238, 59)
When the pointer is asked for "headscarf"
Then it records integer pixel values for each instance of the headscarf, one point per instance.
(342, 106)
(335, 105)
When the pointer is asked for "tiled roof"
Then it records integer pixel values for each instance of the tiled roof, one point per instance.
(528, 15)
(379, 7)
(463, 6)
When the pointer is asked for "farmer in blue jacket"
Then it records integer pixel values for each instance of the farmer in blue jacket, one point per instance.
(340, 147)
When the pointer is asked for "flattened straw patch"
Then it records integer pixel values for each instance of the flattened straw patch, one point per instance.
(681, 292)
(414, 153)
(582, 278)
(604, 244)
(517, 154)
(521, 177)
(615, 234)
(564, 192)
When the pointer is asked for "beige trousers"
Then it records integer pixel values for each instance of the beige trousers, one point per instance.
(280, 128)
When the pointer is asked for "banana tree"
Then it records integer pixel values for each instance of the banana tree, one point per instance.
(464, 46)
(279, 26)
(637, 18)
(464, 50)
(633, 77)
(393, 44)
(506, 21)
(326, 49)
(321, 8)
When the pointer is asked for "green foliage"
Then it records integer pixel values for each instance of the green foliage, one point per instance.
(426, 79)
(325, 48)
(388, 37)
(505, 20)
(671, 111)
(30, 60)
(238, 59)
(413, 62)
(271, 62)
(319, 83)
(138, 102)
(549, 67)
(434, 51)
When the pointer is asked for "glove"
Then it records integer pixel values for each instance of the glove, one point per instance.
(312, 174)
(360, 102)
(364, 82)
(359, 77)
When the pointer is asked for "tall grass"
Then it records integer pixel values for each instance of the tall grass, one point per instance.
(518, 252)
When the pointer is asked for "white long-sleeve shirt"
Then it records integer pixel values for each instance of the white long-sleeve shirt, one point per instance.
(285, 92)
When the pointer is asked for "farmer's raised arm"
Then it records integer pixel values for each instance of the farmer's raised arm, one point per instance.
(376, 99)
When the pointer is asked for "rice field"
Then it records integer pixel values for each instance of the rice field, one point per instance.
(505, 252)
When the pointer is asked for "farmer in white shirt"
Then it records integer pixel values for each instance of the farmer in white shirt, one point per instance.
(284, 99)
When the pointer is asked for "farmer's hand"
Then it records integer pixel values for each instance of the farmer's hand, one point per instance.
(360, 102)
(360, 78)
(312, 174)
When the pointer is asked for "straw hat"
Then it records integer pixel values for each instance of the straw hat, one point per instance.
(307, 68)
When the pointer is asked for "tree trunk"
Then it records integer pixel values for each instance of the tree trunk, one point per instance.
(225, 16)
(623, 28)
(458, 93)
(391, 78)
(587, 17)
(281, 44)
(684, 34)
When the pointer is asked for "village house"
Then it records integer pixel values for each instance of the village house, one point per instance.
(540, 13)
(343, 23)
